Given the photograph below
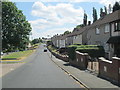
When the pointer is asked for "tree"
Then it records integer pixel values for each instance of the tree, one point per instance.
(94, 14)
(79, 26)
(85, 19)
(34, 41)
(105, 8)
(67, 32)
(110, 9)
(101, 12)
(15, 28)
(116, 6)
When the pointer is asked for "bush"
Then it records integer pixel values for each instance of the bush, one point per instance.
(62, 50)
(71, 52)
(94, 51)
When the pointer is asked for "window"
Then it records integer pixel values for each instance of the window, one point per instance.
(107, 28)
(117, 26)
(97, 31)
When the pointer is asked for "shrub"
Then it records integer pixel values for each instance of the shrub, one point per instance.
(71, 52)
(62, 50)
(94, 51)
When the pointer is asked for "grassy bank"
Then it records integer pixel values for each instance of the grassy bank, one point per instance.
(53, 49)
(17, 55)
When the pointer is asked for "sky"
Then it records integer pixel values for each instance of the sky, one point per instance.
(50, 17)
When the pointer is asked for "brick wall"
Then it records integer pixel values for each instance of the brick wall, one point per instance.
(81, 60)
(110, 69)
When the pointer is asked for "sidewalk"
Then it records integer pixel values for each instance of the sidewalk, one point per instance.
(89, 80)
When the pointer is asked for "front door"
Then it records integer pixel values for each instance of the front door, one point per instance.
(117, 49)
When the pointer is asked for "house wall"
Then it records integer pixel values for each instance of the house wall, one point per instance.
(98, 39)
(77, 39)
(113, 32)
(62, 43)
(69, 41)
(84, 37)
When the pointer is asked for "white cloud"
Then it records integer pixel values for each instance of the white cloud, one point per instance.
(55, 17)
(107, 2)
(50, 32)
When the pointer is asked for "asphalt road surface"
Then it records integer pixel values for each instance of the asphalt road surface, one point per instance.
(38, 72)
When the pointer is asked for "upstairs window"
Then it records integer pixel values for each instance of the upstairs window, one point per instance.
(117, 26)
(97, 31)
(107, 28)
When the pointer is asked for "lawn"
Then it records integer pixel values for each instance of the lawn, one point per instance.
(17, 55)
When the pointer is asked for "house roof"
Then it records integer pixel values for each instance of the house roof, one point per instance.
(107, 19)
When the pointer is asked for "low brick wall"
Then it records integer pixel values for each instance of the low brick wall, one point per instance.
(110, 69)
(81, 60)
(64, 58)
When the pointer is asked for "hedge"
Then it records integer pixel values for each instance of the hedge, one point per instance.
(92, 50)
(71, 52)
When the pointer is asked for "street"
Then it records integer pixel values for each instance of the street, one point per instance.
(38, 72)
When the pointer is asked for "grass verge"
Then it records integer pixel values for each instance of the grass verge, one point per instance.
(17, 55)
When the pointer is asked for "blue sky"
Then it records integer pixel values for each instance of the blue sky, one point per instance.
(50, 18)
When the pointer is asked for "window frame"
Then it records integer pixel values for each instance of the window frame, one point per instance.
(96, 31)
(107, 28)
(117, 26)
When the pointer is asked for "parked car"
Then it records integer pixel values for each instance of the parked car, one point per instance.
(45, 50)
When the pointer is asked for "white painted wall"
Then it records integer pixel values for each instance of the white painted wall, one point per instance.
(62, 43)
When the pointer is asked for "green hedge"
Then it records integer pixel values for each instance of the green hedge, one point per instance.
(71, 52)
(92, 50)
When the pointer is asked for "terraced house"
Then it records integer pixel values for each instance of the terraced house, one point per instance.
(104, 32)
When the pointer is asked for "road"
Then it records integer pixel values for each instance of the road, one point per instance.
(38, 72)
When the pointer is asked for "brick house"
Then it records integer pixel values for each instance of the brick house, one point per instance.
(101, 30)
(114, 40)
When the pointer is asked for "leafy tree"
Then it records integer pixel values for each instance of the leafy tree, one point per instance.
(116, 6)
(34, 41)
(94, 14)
(101, 12)
(85, 19)
(110, 8)
(67, 32)
(15, 28)
(79, 26)
(105, 8)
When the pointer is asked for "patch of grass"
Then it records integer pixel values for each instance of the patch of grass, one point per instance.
(11, 62)
(17, 55)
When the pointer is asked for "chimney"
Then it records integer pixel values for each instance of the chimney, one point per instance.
(89, 22)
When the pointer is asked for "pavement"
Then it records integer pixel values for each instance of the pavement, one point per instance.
(87, 79)
(38, 71)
